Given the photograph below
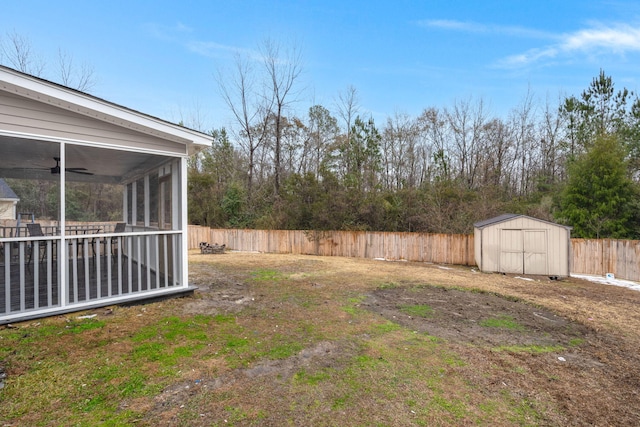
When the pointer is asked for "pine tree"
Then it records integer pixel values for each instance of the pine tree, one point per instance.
(600, 197)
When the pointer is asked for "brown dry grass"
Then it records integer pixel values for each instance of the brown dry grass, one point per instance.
(303, 340)
(595, 387)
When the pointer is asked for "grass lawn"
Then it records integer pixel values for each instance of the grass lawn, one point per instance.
(276, 340)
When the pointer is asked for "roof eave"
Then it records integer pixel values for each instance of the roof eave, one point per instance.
(100, 109)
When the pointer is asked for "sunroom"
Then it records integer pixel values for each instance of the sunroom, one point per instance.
(102, 216)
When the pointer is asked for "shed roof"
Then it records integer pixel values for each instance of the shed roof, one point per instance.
(509, 216)
(6, 193)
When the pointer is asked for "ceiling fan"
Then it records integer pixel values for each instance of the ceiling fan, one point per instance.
(56, 169)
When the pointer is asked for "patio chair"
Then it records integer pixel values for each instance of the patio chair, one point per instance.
(35, 230)
(120, 227)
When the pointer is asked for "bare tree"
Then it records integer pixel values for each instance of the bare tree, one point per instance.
(497, 153)
(466, 122)
(283, 71)
(551, 161)
(16, 51)
(400, 140)
(250, 111)
(525, 141)
(322, 131)
(82, 78)
(433, 152)
(192, 118)
(348, 107)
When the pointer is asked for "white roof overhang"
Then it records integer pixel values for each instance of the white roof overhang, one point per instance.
(50, 93)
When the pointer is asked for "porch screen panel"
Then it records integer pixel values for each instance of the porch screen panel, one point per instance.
(7, 280)
(154, 189)
(165, 203)
(29, 218)
(140, 196)
(129, 203)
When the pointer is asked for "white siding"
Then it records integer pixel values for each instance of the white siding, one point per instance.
(23, 115)
(8, 209)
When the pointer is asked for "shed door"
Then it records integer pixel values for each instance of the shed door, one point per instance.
(535, 252)
(523, 251)
(511, 251)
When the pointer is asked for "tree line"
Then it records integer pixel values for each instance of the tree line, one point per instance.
(575, 162)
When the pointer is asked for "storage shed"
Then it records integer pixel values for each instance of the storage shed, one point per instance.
(519, 244)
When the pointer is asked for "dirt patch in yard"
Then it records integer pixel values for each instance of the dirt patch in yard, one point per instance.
(477, 318)
(567, 347)
(541, 353)
(274, 340)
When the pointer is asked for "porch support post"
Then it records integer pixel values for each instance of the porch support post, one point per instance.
(184, 222)
(134, 203)
(147, 213)
(63, 264)
(125, 212)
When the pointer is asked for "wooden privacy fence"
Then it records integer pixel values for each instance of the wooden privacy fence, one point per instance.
(588, 256)
(599, 257)
(437, 248)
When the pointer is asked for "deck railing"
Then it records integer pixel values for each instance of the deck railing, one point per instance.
(100, 267)
(14, 230)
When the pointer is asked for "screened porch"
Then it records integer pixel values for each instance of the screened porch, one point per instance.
(101, 216)
(128, 246)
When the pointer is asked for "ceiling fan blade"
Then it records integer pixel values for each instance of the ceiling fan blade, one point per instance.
(78, 171)
(56, 169)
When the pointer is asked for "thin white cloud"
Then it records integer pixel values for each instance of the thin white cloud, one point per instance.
(166, 32)
(529, 57)
(180, 27)
(478, 28)
(210, 49)
(448, 24)
(617, 39)
(597, 39)
(215, 50)
(178, 33)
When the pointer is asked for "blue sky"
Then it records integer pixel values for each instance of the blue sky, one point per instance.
(161, 57)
